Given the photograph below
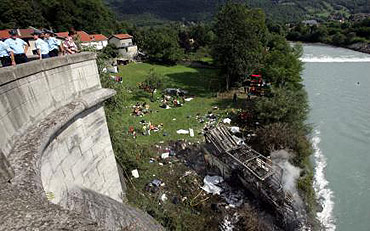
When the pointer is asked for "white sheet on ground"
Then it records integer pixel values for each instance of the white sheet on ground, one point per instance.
(210, 184)
(226, 121)
(182, 131)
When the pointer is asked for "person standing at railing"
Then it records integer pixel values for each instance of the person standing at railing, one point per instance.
(19, 47)
(69, 45)
(42, 47)
(6, 55)
(54, 44)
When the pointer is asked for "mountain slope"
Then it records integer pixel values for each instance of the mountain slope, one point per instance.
(195, 10)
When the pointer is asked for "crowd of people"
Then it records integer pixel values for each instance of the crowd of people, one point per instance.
(13, 50)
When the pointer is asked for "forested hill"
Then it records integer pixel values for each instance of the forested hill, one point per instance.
(89, 15)
(281, 10)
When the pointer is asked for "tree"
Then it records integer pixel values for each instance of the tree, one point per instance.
(285, 105)
(281, 64)
(240, 38)
(161, 44)
(152, 82)
(61, 15)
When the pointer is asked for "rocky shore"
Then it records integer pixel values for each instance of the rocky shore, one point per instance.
(361, 47)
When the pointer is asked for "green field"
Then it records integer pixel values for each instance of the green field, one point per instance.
(202, 85)
(193, 213)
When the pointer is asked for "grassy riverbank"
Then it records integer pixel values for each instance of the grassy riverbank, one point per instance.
(143, 152)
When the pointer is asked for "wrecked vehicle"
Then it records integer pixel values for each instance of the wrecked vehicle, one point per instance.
(258, 174)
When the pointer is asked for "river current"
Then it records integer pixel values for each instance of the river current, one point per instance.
(338, 85)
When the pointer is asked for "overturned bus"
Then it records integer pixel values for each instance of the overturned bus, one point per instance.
(258, 174)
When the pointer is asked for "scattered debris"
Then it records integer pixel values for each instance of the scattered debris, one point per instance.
(165, 155)
(163, 197)
(210, 184)
(188, 99)
(226, 121)
(182, 131)
(175, 91)
(112, 69)
(116, 78)
(191, 131)
(229, 221)
(175, 200)
(135, 173)
(153, 186)
(235, 129)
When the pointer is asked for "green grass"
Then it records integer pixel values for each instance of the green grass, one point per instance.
(200, 83)
(132, 153)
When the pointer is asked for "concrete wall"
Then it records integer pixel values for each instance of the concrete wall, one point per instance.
(29, 92)
(55, 147)
(81, 155)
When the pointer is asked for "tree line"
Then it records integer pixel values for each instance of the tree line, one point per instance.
(335, 33)
(60, 15)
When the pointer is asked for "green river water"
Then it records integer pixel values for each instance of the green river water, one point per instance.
(338, 84)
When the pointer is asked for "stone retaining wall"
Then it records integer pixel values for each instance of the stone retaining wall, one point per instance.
(55, 147)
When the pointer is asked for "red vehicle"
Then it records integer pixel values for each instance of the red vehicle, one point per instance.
(255, 85)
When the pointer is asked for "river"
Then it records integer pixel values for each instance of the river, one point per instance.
(338, 85)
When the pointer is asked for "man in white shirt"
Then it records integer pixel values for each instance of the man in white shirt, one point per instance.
(54, 44)
(6, 55)
(42, 47)
(18, 46)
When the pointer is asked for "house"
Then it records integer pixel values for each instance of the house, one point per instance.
(125, 46)
(98, 41)
(25, 34)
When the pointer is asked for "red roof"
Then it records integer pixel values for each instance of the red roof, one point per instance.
(62, 34)
(25, 33)
(22, 33)
(122, 36)
(84, 37)
(98, 37)
(4, 34)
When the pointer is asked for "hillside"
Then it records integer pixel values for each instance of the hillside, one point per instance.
(195, 10)
(60, 15)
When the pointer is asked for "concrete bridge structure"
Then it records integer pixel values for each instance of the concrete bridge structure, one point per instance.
(57, 166)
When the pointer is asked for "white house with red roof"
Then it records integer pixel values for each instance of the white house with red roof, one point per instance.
(98, 41)
(125, 46)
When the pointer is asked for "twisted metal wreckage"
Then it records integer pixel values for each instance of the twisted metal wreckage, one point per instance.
(256, 172)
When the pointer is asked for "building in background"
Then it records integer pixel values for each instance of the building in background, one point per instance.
(97, 41)
(125, 46)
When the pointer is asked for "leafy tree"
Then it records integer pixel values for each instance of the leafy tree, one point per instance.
(281, 65)
(240, 37)
(152, 82)
(161, 44)
(285, 105)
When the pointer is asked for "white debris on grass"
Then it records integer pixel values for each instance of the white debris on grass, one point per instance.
(189, 99)
(182, 131)
(226, 121)
(210, 184)
(113, 69)
(165, 155)
(191, 131)
(228, 222)
(234, 129)
(135, 173)
(164, 197)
